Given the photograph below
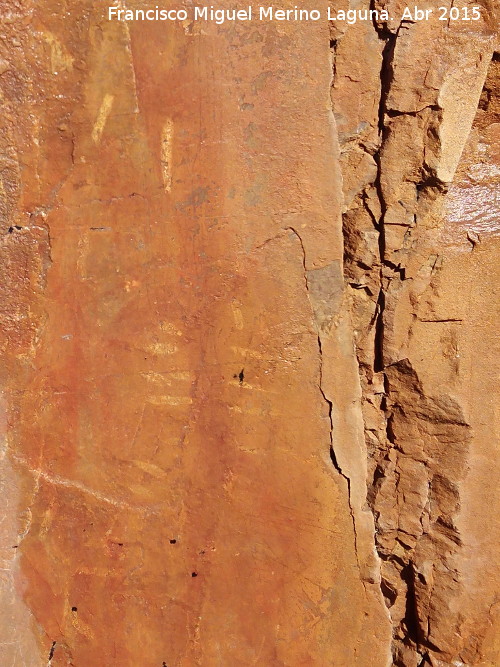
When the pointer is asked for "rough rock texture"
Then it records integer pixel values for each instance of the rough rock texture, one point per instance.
(422, 288)
(249, 353)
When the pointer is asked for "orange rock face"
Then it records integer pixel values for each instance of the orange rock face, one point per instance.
(239, 398)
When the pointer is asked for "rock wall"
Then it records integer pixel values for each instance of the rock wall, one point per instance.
(249, 341)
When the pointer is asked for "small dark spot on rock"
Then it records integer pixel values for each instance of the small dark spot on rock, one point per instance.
(52, 651)
(194, 574)
(74, 608)
(173, 541)
(241, 376)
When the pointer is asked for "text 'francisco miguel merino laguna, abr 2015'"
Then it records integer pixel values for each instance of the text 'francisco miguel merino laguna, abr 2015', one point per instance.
(270, 13)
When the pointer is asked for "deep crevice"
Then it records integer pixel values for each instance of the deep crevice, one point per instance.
(378, 341)
(410, 618)
(386, 75)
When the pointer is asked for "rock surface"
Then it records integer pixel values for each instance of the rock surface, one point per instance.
(249, 341)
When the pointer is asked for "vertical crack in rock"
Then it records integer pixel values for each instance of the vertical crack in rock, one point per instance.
(333, 456)
(323, 287)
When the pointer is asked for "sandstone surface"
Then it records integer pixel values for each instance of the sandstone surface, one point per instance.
(249, 340)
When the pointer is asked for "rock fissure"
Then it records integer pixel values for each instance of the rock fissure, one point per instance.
(315, 297)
